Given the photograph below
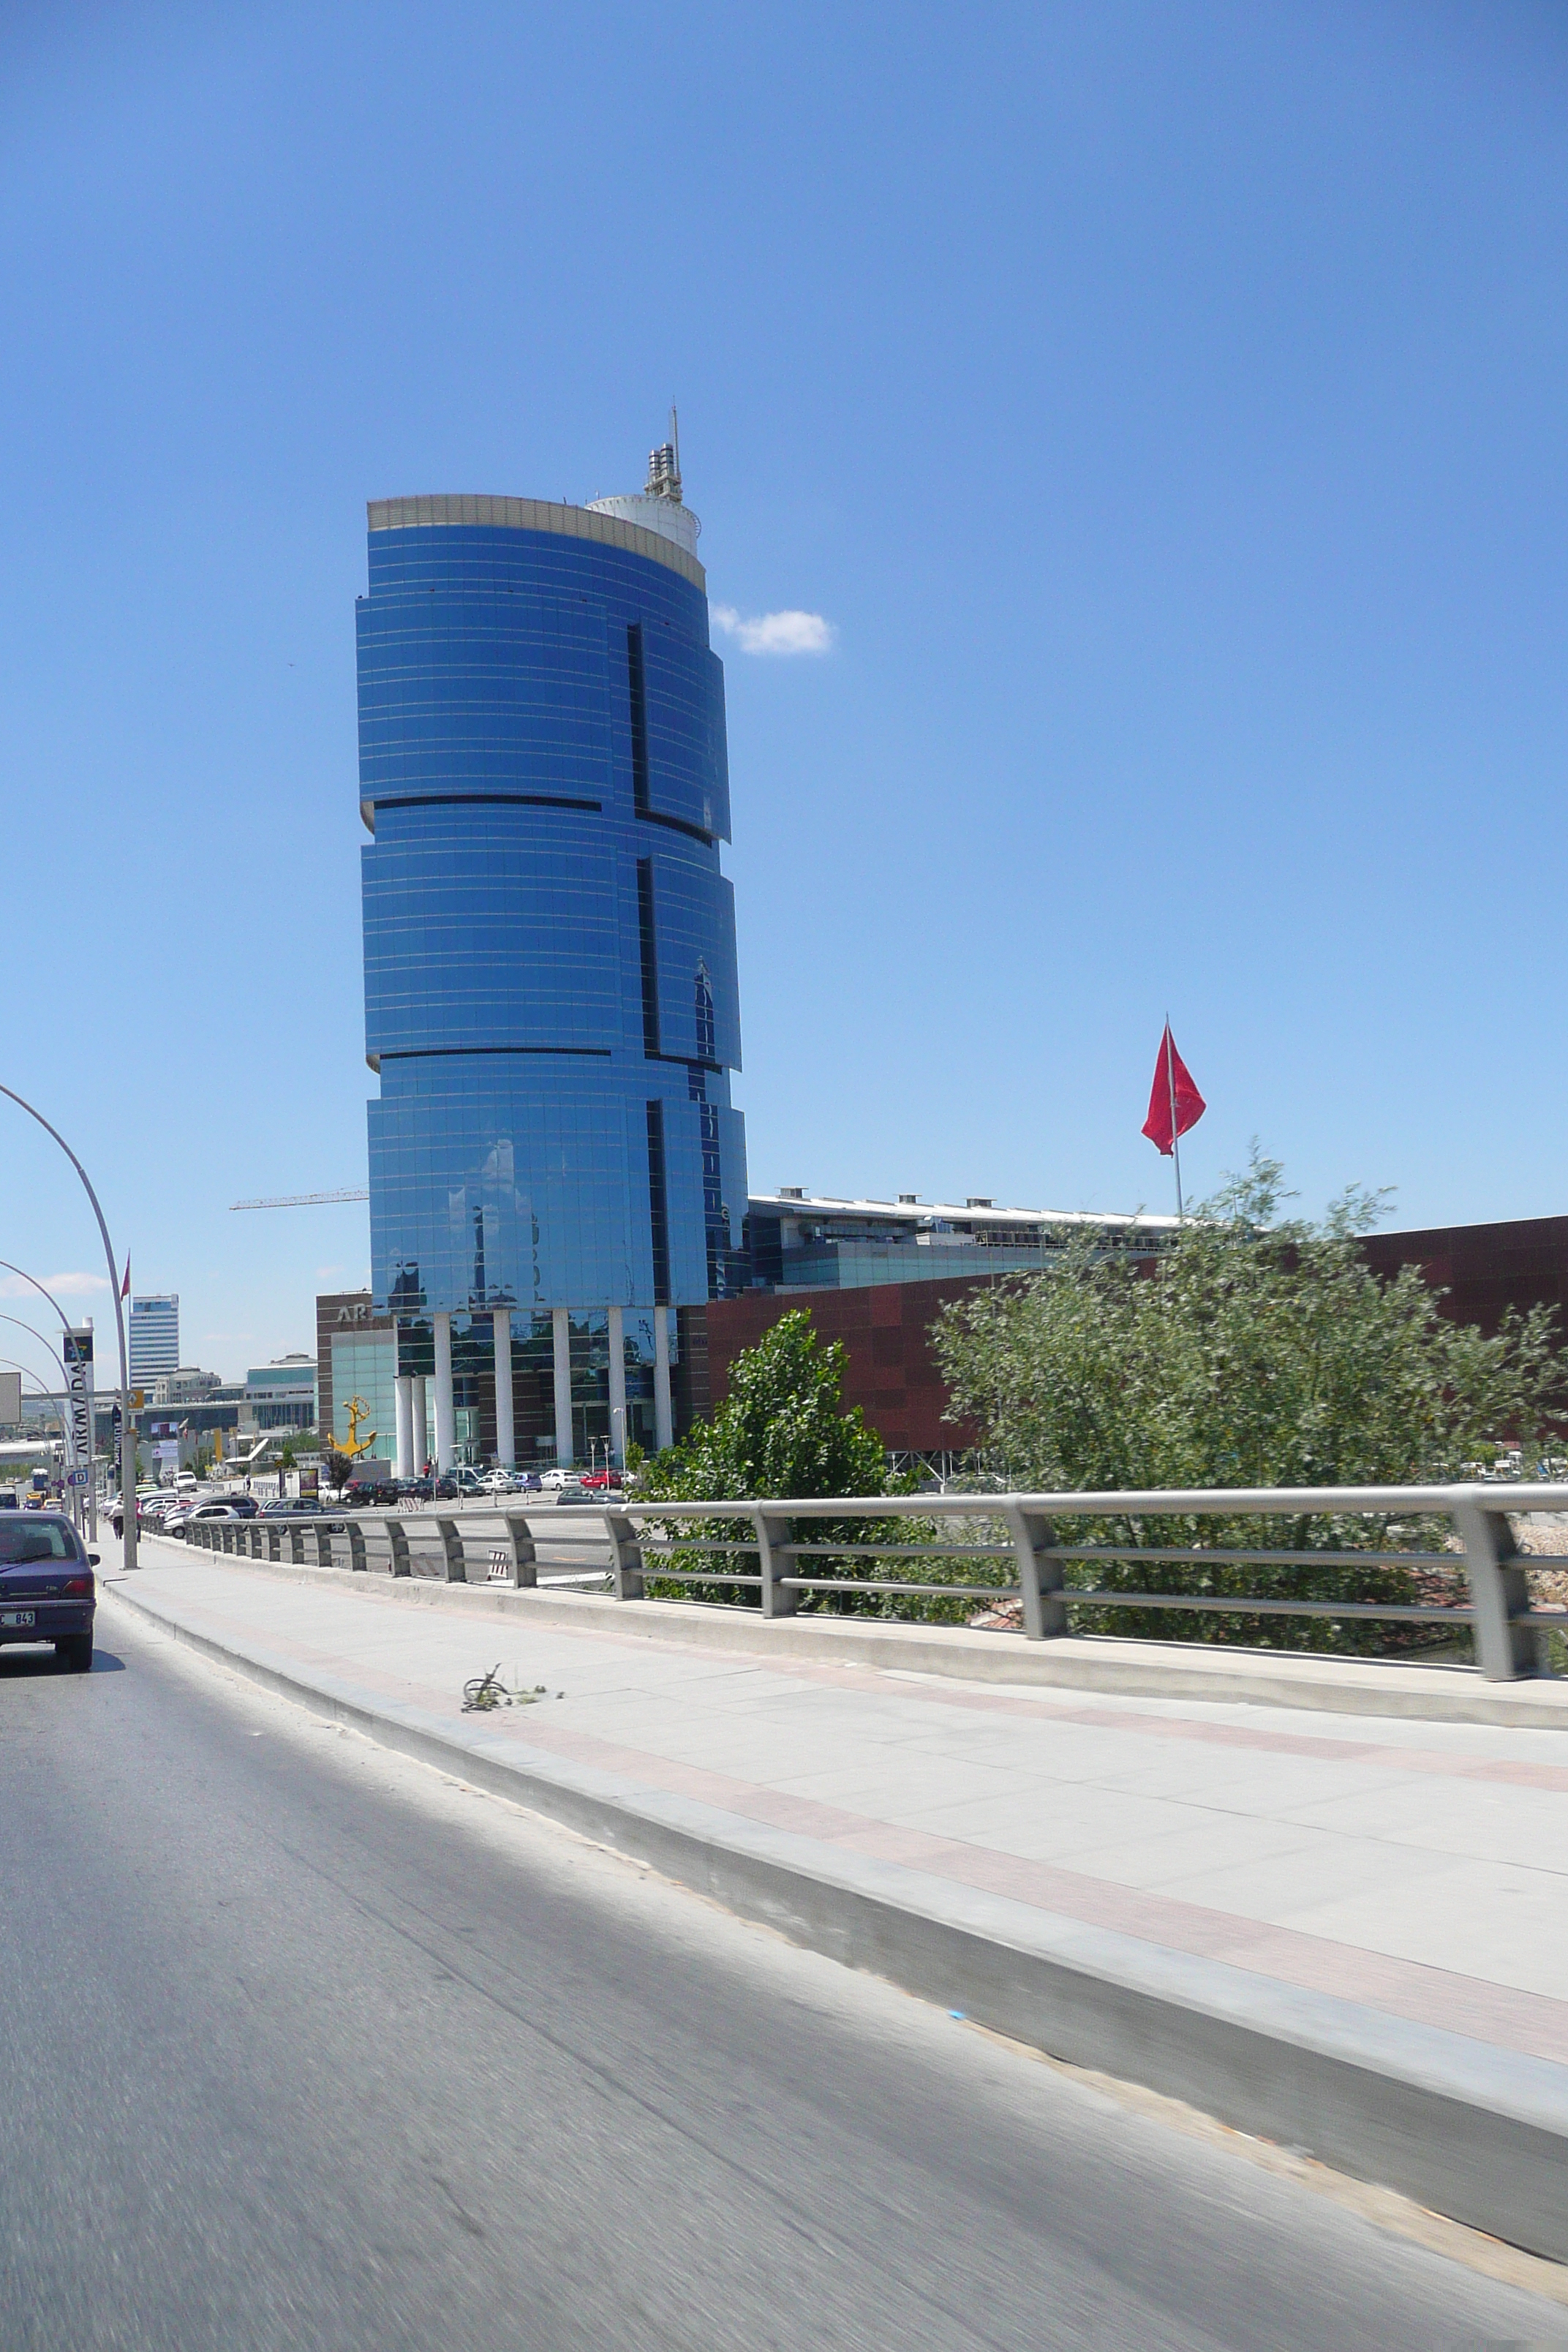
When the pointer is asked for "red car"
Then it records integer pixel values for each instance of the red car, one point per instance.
(597, 1479)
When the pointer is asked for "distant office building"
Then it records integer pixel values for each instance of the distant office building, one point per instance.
(188, 1385)
(550, 997)
(281, 1395)
(154, 1338)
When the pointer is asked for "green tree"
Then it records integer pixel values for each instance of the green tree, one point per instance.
(1261, 1352)
(781, 1432)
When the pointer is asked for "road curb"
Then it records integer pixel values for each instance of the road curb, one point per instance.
(1124, 1669)
(1475, 2132)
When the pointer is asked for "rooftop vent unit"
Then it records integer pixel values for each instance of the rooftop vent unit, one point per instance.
(908, 1200)
(792, 1191)
(974, 1202)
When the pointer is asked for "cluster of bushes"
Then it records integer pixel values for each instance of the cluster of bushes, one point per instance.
(1261, 1350)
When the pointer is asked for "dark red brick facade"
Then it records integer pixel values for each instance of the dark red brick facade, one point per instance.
(1486, 1269)
(892, 1375)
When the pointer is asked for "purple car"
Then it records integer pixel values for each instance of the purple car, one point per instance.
(47, 1591)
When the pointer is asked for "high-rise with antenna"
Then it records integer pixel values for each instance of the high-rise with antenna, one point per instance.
(551, 999)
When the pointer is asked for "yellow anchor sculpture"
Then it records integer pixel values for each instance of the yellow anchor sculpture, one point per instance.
(353, 1444)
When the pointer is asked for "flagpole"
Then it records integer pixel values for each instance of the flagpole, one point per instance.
(1171, 1084)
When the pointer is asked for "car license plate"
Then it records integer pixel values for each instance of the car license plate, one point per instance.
(18, 1617)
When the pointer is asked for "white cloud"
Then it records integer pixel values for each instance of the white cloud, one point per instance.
(64, 1286)
(776, 633)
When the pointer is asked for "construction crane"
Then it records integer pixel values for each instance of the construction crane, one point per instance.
(305, 1199)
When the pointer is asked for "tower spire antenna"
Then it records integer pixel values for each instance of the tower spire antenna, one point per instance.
(664, 465)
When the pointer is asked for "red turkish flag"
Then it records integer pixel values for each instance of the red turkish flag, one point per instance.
(1173, 1086)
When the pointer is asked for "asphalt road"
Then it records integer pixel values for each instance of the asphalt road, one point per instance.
(306, 2047)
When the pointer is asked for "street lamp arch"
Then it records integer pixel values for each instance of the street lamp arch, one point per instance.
(127, 1440)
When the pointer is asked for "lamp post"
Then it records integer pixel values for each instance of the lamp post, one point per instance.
(91, 1465)
(6, 1267)
(127, 1436)
(65, 1392)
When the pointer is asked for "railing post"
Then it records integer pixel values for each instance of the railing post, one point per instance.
(524, 1557)
(297, 1546)
(228, 1536)
(274, 1542)
(1039, 1574)
(626, 1556)
(356, 1545)
(323, 1546)
(452, 1549)
(1500, 1594)
(397, 1537)
(779, 1599)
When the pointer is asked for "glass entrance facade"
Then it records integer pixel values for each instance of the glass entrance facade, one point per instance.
(551, 995)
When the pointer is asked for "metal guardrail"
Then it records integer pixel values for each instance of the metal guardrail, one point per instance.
(474, 1545)
(648, 1539)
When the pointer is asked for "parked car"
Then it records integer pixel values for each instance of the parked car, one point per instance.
(371, 1493)
(597, 1480)
(528, 1481)
(498, 1482)
(175, 1522)
(47, 1587)
(559, 1477)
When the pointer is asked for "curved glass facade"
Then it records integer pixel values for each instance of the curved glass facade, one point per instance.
(550, 993)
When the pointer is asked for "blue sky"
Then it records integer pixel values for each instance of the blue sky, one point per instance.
(1161, 408)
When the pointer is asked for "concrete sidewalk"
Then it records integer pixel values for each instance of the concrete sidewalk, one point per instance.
(1347, 1933)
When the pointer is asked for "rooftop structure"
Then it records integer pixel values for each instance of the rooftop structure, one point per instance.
(797, 1239)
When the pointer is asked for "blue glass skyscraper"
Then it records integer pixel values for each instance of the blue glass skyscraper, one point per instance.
(551, 996)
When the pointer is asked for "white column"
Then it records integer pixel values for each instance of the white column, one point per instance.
(402, 1387)
(617, 1386)
(663, 1419)
(506, 1431)
(561, 1321)
(421, 1417)
(446, 1422)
